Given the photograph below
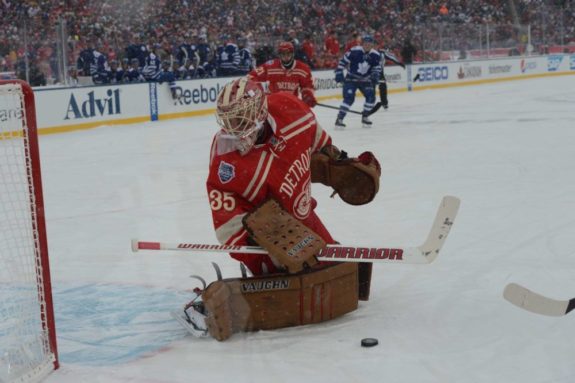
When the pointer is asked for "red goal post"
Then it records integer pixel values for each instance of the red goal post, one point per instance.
(28, 349)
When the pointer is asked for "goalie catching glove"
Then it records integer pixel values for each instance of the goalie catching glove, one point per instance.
(356, 180)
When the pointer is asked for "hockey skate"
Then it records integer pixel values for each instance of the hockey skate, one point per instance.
(192, 316)
(366, 122)
(339, 125)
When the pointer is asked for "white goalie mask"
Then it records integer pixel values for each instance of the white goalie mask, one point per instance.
(241, 112)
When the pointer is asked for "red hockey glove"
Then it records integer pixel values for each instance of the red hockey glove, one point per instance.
(308, 97)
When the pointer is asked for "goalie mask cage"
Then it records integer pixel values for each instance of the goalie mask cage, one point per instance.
(27, 331)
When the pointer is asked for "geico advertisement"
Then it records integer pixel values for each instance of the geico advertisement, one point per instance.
(70, 106)
(432, 73)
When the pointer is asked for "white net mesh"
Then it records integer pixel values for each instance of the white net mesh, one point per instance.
(25, 353)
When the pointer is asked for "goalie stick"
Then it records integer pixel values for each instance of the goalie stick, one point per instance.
(423, 254)
(536, 303)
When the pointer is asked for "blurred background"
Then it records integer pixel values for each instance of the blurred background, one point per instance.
(75, 42)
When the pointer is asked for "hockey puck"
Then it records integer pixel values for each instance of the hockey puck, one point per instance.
(369, 342)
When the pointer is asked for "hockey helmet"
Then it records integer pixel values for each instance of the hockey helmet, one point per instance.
(241, 111)
(286, 53)
(368, 39)
(285, 46)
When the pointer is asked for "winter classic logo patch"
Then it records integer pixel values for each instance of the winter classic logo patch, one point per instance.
(226, 172)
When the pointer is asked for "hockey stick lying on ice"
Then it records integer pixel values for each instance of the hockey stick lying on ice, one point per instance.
(536, 303)
(337, 108)
(372, 111)
(426, 253)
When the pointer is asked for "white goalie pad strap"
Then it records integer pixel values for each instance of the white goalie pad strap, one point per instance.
(192, 320)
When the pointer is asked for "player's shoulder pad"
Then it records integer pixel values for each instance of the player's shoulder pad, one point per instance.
(287, 107)
(282, 100)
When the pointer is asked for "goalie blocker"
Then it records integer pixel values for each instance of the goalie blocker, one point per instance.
(291, 245)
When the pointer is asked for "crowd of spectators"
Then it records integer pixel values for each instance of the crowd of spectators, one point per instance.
(321, 29)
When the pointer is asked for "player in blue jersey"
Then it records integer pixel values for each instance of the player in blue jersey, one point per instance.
(85, 59)
(133, 73)
(205, 67)
(93, 63)
(227, 60)
(247, 62)
(137, 50)
(114, 74)
(363, 66)
(99, 67)
(152, 66)
(187, 55)
(169, 76)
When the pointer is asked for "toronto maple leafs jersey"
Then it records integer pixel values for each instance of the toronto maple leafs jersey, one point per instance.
(187, 54)
(247, 62)
(204, 52)
(360, 65)
(152, 68)
(229, 57)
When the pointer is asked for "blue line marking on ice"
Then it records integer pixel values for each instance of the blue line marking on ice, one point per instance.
(100, 325)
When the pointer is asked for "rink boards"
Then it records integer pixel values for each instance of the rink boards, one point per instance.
(68, 109)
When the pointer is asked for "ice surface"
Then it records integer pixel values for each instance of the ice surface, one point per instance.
(507, 150)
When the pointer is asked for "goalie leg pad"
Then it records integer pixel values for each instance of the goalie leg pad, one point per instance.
(288, 241)
(364, 276)
(283, 300)
(216, 300)
(329, 293)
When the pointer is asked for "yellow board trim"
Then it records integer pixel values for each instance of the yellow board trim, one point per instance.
(193, 113)
(93, 124)
(492, 80)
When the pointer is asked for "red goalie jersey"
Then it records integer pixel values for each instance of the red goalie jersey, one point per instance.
(296, 79)
(277, 166)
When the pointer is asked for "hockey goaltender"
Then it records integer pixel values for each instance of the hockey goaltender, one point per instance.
(269, 150)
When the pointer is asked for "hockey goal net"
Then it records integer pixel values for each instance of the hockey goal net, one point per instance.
(27, 332)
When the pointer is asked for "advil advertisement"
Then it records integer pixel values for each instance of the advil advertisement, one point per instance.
(88, 106)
